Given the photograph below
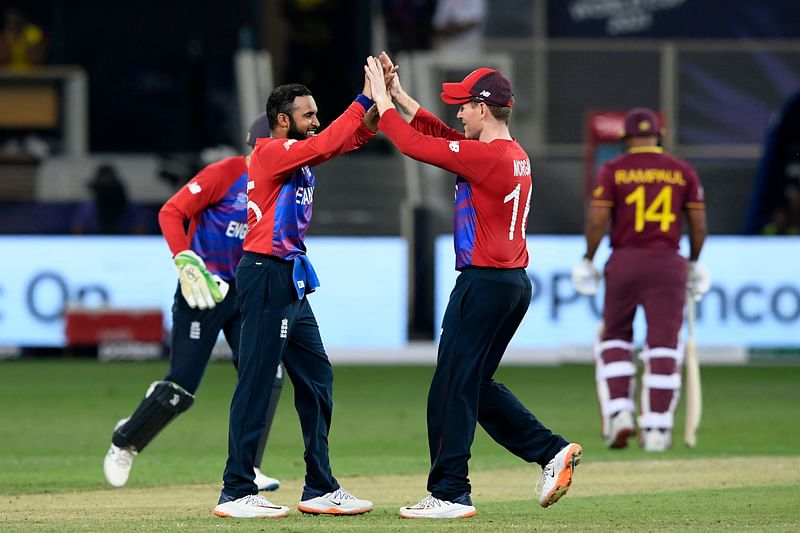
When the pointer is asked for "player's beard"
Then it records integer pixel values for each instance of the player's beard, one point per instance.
(295, 133)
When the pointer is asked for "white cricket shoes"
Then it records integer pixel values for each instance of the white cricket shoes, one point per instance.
(339, 502)
(118, 462)
(557, 474)
(656, 440)
(265, 482)
(431, 507)
(621, 428)
(250, 506)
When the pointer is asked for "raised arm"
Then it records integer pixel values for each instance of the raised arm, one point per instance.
(420, 118)
(344, 134)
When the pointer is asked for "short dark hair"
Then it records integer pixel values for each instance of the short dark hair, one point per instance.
(499, 112)
(282, 99)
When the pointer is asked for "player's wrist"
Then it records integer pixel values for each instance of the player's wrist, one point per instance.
(365, 101)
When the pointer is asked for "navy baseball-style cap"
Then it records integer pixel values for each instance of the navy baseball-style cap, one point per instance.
(641, 122)
(481, 85)
(258, 128)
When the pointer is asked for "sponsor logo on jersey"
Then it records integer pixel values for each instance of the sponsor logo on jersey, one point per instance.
(288, 144)
(241, 201)
(598, 191)
(522, 167)
(194, 187)
(236, 229)
(454, 146)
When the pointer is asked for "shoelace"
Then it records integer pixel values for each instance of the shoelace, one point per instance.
(258, 500)
(429, 502)
(340, 494)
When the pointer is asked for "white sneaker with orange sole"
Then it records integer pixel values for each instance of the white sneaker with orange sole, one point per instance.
(557, 474)
(339, 501)
(431, 507)
(250, 506)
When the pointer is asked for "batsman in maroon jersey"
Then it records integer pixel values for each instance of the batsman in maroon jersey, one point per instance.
(643, 195)
(492, 293)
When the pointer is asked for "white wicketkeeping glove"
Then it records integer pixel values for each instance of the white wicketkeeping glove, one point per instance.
(698, 281)
(586, 278)
(199, 288)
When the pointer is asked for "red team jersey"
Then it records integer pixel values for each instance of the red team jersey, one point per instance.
(493, 188)
(647, 191)
(280, 192)
(214, 202)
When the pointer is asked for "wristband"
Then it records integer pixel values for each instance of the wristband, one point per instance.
(365, 101)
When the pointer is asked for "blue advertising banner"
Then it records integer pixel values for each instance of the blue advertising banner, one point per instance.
(754, 299)
(43, 275)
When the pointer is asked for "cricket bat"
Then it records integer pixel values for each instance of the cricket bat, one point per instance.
(694, 396)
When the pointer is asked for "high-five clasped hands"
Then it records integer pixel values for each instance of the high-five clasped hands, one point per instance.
(377, 74)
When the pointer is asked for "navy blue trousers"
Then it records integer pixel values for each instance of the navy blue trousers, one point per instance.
(277, 327)
(194, 334)
(485, 309)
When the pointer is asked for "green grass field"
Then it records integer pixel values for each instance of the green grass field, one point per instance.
(56, 419)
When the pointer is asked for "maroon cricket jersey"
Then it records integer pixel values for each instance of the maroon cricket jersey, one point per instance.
(647, 191)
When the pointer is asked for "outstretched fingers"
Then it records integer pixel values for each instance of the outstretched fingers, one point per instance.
(390, 77)
(374, 73)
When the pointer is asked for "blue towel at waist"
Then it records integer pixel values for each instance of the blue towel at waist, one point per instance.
(304, 277)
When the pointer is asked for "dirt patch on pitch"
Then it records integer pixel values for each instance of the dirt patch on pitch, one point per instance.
(592, 479)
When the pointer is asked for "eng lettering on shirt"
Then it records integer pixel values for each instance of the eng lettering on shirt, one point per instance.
(304, 195)
(236, 229)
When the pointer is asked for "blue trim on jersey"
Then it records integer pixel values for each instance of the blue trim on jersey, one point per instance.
(293, 210)
(464, 224)
(221, 229)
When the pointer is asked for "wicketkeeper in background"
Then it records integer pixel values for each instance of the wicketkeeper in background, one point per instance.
(214, 204)
(643, 195)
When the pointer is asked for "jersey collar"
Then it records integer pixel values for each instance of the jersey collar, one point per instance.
(646, 150)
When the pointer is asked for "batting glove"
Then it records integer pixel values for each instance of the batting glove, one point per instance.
(698, 281)
(586, 278)
(199, 288)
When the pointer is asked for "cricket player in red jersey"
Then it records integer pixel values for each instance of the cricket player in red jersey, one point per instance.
(278, 325)
(643, 194)
(214, 206)
(491, 295)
